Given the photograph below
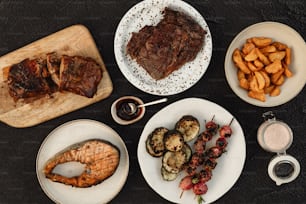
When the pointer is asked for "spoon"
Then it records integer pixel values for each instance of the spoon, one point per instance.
(133, 107)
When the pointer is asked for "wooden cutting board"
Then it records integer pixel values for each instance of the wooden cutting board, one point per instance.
(74, 40)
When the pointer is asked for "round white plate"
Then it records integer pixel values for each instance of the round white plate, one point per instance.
(71, 133)
(278, 32)
(229, 166)
(148, 12)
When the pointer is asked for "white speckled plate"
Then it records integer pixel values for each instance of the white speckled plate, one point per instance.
(71, 133)
(148, 12)
(278, 32)
(229, 166)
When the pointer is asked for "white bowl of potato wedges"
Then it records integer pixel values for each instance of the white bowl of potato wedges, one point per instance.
(265, 64)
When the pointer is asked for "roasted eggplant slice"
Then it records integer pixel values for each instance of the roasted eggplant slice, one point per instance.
(173, 161)
(189, 126)
(168, 176)
(188, 151)
(155, 142)
(173, 140)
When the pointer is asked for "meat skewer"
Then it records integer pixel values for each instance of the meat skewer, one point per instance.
(197, 180)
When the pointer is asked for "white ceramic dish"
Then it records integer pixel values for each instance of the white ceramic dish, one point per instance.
(229, 166)
(148, 12)
(75, 132)
(278, 32)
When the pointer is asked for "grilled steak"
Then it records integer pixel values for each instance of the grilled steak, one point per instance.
(101, 160)
(164, 48)
(80, 75)
(29, 78)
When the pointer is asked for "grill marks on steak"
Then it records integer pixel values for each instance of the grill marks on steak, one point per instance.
(38, 77)
(164, 48)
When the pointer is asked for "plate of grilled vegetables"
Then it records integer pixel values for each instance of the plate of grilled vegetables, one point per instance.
(163, 47)
(90, 167)
(192, 151)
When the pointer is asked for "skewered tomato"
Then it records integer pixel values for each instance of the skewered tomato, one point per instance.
(186, 183)
(200, 188)
(225, 131)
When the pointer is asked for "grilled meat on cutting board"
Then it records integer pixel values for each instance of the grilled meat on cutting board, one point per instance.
(39, 76)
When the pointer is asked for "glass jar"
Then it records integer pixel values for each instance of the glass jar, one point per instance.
(276, 136)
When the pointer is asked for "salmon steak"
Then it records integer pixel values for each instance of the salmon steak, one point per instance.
(101, 159)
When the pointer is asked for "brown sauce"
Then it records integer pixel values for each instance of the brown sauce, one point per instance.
(123, 110)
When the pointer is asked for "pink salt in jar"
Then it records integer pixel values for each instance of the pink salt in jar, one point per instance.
(276, 136)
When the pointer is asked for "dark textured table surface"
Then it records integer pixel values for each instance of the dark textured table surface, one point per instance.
(22, 22)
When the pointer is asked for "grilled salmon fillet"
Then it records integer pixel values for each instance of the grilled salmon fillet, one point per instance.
(101, 160)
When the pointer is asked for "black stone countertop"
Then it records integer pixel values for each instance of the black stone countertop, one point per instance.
(22, 22)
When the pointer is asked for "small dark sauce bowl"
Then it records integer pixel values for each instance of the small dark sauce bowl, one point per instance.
(121, 111)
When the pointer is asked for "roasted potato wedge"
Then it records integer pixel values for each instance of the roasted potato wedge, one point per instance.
(257, 95)
(251, 56)
(275, 91)
(254, 84)
(261, 41)
(277, 56)
(244, 83)
(240, 74)
(268, 49)
(288, 73)
(277, 75)
(262, 57)
(237, 58)
(247, 48)
(258, 64)
(288, 56)
(268, 89)
(279, 46)
(274, 67)
(252, 67)
(260, 80)
(280, 80)
(266, 77)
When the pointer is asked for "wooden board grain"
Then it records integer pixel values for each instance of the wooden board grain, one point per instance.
(74, 40)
